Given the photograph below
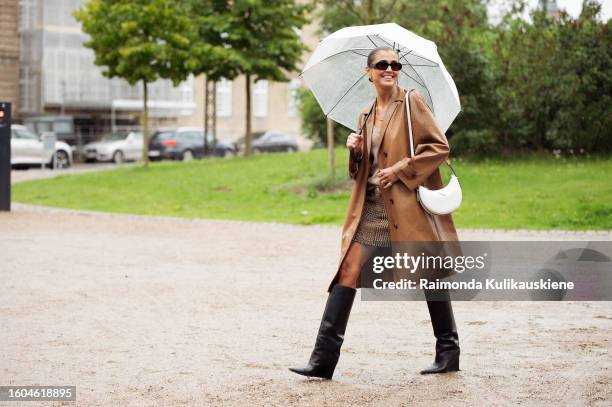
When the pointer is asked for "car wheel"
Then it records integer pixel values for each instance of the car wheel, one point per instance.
(291, 149)
(118, 157)
(187, 155)
(60, 160)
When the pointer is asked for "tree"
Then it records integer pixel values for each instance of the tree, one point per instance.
(582, 70)
(141, 41)
(265, 38)
(554, 80)
(211, 19)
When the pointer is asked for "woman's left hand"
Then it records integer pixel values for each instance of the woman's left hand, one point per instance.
(387, 177)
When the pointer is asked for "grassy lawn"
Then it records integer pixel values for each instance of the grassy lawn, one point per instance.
(543, 193)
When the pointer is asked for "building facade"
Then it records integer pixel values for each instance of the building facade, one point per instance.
(9, 53)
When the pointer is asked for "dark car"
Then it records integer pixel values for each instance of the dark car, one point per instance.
(185, 143)
(273, 141)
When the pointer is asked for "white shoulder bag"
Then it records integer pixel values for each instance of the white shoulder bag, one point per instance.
(440, 201)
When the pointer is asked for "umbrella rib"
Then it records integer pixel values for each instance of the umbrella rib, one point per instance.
(414, 79)
(355, 52)
(420, 77)
(345, 93)
(410, 52)
(333, 55)
(372, 41)
(427, 59)
(424, 87)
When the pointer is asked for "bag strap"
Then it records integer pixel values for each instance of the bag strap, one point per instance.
(408, 115)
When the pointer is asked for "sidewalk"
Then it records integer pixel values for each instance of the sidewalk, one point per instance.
(139, 311)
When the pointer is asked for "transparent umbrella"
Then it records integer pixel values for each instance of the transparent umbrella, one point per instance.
(335, 73)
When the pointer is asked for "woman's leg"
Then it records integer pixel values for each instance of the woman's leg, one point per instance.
(330, 337)
(350, 270)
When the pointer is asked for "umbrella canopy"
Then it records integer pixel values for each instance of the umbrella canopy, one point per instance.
(335, 73)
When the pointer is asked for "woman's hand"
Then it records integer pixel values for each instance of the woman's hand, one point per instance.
(355, 143)
(387, 177)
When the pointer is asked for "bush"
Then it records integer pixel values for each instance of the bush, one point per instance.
(474, 143)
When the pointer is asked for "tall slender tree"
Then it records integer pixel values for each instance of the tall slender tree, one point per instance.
(141, 41)
(265, 38)
(219, 60)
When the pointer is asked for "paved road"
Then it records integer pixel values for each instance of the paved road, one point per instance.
(141, 311)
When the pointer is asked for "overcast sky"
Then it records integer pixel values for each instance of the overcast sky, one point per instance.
(573, 7)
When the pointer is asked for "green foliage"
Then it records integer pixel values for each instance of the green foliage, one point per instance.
(474, 143)
(212, 22)
(314, 123)
(140, 40)
(583, 91)
(554, 81)
(264, 36)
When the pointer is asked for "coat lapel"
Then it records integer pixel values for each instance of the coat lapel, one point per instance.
(390, 111)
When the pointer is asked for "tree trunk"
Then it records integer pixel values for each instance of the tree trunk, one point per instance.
(205, 115)
(145, 125)
(214, 117)
(247, 139)
(330, 147)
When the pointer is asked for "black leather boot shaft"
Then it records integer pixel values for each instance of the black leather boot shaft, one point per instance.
(447, 338)
(330, 337)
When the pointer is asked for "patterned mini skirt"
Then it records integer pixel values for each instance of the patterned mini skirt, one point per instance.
(373, 229)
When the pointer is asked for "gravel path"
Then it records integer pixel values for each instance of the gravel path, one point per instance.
(141, 311)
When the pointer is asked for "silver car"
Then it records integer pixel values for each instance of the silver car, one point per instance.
(115, 147)
(27, 150)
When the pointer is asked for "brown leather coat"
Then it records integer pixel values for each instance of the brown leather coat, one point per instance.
(408, 221)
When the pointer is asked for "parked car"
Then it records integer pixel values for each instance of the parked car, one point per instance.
(274, 141)
(185, 143)
(118, 147)
(27, 150)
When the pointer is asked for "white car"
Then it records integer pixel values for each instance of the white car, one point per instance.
(116, 147)
(27, 150)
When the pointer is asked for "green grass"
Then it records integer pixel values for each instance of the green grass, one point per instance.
(525, 193)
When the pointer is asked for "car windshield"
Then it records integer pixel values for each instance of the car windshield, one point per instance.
(25, 134)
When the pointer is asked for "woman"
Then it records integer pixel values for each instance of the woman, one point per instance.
(384, 208)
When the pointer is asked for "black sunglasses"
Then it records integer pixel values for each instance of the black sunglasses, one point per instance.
(383, 65)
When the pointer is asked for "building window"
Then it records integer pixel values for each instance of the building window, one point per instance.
(260, 95)
(224, 98)
(292, 107)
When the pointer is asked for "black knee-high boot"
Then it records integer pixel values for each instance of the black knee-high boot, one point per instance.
(447, 338)
(326, 351)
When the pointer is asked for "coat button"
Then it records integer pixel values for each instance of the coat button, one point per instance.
(391, 200)
(396, 227)
(385, 153)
